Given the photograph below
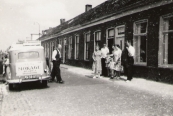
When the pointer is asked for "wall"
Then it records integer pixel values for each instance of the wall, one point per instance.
(151, 70)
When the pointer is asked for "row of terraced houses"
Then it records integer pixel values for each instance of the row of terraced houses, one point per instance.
(148, 24)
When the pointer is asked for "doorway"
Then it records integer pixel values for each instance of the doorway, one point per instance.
(110, 43)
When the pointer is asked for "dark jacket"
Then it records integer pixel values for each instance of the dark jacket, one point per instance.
(58, 57)
(124, 57)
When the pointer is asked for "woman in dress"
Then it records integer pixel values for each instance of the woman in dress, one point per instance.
(117, 59)
(97, 62)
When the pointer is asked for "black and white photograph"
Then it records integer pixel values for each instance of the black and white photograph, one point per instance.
(86, 58)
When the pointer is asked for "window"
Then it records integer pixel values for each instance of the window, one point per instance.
(48, 50)
(119, 36)
(140, 41)
(60, 42)
(166, 40)
(87, 50)
(110, 38)
(97, 38)
(111, 33)
(70, 48)
(28, 55)
(77, 47)
(51, 44)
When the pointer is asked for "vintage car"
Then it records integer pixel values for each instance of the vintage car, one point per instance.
(27, 64)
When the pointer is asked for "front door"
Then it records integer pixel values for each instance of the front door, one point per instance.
(110, 43)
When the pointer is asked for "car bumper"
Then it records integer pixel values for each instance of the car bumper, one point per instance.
(28, 80)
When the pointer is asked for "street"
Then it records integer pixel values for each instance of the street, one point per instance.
(82, 95)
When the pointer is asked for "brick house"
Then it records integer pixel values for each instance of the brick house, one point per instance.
(147, 23)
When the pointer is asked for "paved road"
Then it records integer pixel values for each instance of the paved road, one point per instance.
(84, 96)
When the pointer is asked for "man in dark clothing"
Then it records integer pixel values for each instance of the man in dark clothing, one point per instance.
(124, 58)
(130, 60)
(56, 57)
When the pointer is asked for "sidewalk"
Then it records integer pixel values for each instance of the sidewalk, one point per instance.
(154, 87)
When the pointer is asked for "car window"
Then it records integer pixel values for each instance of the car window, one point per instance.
(28, 55)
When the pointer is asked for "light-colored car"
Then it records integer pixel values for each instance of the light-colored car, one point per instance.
(26, 64)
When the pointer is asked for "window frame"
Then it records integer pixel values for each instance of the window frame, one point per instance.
(109, 37)
(75, 54)
(95, 41)
(122, 36)
(162, 32)
(70, 42)
(139, 35)
(85, 45)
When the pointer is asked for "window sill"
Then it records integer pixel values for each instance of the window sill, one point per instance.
(165, 66)
(140, 64)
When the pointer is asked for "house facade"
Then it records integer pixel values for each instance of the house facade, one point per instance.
(148, 24)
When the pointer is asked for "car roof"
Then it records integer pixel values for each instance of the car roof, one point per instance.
(23, 46)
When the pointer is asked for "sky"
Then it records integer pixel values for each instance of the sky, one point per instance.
(21, 18)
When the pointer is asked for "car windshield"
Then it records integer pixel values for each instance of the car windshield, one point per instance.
(28, 55)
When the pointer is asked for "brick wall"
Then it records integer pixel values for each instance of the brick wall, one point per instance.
(151, 71)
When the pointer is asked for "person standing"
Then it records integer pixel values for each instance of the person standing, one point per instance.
(117, 59)
(56, 57)
(116, 53)
(5, 64)
(130, 61)
(111, 68)
(104, 52)
(97, 62)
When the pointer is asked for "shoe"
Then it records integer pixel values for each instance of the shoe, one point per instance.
(118, 78)
(50, 81)
(112, 78)
(127, 81)
(61, 82)
(94, 77)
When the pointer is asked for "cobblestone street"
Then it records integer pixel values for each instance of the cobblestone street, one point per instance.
(82, 95)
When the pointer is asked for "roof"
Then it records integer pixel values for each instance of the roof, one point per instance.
(105, 9)
(26, 45)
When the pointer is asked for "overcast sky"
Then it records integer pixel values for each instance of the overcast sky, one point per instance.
(21, 18)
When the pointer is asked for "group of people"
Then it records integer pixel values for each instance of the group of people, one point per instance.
(112, 64)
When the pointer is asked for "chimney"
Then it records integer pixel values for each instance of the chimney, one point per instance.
(62, 21)
(88, 7)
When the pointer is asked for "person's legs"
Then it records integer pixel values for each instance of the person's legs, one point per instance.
(115, 73)
(112, 73)
(108, 71)
(3, 69)
(58, 72)
(103, 67)
(118, 74)
(130, 69)
(95, 73)
(53, 71)
(130, 72)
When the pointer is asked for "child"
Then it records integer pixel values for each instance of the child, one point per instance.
(111, 67)
(97, 62)
(107, 61)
